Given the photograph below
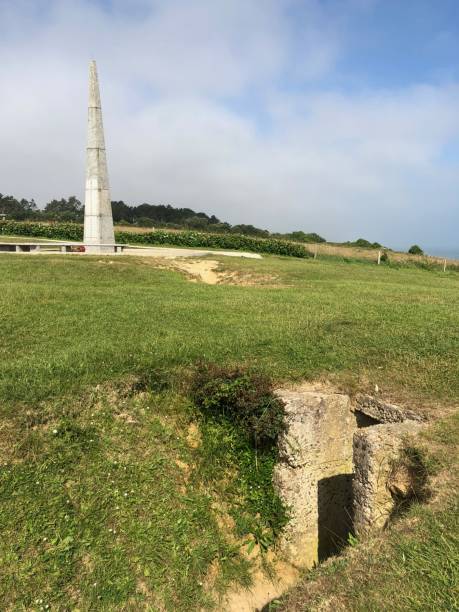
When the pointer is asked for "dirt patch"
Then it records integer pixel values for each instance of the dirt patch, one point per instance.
(265, 588)
(209, 271)
(8, 440)
(126, 417)
(204, 270)
(193, 437)
(184, 468)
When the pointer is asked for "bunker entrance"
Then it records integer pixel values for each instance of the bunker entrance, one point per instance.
(335, 503)
(335, 514)
(315, 476)
(364, 420)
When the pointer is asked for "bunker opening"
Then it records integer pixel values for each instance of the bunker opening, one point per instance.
(336, 465)
(335, 514)
(335, 499)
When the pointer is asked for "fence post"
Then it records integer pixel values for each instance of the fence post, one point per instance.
(444, 265)
(379, 257)
(315, 253)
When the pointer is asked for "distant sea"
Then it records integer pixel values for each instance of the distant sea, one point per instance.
(439, 251)
(448, 252)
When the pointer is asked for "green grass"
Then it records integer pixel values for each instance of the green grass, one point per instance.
(73, 321)
(104, 502)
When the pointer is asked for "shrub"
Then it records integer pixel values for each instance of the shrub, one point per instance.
(241, 397)
(58, 231)
(384, 257)
(242, 420)
(313, 237)
(215, 241)
(415, 250)
(302, 237)
(364, 244)
(74, 231)
(145, 222)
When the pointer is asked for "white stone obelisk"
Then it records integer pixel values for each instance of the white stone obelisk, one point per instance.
(98, 217)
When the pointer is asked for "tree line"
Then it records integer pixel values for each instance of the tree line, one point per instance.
(159, 216)
(144, 215)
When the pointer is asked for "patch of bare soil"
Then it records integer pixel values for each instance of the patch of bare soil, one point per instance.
(204, 270)
(193, 437)
(271, 575)
(126, 417)
(266, 585)
(207, 271)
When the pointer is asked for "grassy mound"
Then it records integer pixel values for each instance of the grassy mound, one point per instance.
(241, 404)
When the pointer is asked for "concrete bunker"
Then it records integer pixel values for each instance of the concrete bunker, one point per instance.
(335, 466)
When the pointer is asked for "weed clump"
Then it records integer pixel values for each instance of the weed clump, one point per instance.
(242, 419)
(241, 397)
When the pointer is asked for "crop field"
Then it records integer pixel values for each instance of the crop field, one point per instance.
(114, 492)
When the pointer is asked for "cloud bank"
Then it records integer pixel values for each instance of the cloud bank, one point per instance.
(236, 108)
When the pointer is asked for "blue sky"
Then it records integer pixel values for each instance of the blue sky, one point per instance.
(402, 42)
(335, 116)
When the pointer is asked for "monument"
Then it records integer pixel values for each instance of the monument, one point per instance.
(99, 236)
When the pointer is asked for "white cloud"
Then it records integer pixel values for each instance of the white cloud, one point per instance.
(197, 114)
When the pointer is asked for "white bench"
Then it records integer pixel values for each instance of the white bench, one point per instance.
(63, 247)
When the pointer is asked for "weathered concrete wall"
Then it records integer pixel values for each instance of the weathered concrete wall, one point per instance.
(375, 451)
(314, 475)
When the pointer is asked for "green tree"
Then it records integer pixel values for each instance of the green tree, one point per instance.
(64, 210)
(17, 209)
(415, 250)
(301, 236)
(249, 230)
(122, 212)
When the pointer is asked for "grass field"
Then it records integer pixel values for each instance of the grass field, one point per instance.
(107, 500)
(70, 322)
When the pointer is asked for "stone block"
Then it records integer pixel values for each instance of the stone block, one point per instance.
(384, 412)
(314, 474)
(376, 449)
